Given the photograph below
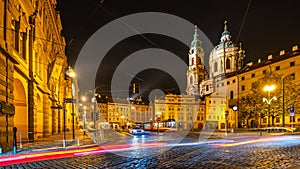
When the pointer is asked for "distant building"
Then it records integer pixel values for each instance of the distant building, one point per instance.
(187, 111)
(125, 113)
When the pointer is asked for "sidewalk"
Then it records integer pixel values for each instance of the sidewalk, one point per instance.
(53, 142)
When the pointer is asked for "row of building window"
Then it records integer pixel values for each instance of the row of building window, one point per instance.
(214, 102)
(219, 117)
(277, 120)
(179, 100)
(264, 72)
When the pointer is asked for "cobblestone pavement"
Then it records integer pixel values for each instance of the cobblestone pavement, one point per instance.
(265, 154)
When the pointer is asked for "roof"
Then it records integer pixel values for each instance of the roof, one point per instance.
(251, 67)
(275, 59)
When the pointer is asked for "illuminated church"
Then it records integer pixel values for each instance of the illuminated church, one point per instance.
(228, 80)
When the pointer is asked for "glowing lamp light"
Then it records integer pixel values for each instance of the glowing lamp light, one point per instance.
(269, 88)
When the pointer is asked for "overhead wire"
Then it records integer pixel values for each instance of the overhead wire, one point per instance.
(244, 19)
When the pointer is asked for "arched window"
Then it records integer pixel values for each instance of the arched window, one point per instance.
(227, 63)
(193, 60)
(231, 94)
(216, 66)
(191, 79)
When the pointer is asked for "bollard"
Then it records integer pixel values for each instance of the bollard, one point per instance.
(15, 140)
(260, 133)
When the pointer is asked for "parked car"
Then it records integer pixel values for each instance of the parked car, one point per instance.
(136, 130)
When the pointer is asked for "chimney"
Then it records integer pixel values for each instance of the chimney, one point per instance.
(282, 52)
(295, 48)
(258, 61)
(270, 57)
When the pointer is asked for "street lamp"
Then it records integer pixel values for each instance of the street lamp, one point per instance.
(235, 108)
(71, 73)
(269, 88)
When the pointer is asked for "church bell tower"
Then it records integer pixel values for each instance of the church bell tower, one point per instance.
(196, 72)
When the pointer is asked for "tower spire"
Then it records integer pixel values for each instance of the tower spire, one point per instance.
(226, 34)
(196, 41)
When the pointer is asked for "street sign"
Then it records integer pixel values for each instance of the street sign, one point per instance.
(292, 111)
(69, 100)
(226, 113)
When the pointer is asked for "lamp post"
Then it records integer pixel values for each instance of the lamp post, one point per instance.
(71, 73)
(64, 121)
(269, 88)
(235, 108)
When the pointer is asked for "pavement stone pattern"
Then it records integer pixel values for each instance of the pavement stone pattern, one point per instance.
(258, 155)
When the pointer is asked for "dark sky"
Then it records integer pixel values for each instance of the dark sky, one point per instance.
(270, 26)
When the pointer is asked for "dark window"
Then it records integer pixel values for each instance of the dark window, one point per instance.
(231, 94)
(216, 67)
(264, 71)
(227, 63)
(233, 81)
(243, 87)
(292, 63)
(15, 34)
(206, 87)
(293, 76)
(277, 68)
(228, 82)
(243, 78)
(253, 75)
(252, 85)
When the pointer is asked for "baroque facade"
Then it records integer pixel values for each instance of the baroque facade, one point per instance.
(33, 63)
(230, 78)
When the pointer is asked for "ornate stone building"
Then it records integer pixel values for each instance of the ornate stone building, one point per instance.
(33, 63)
(229, 80)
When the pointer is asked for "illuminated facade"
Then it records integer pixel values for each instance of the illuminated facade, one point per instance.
(230, 78)
(284, 64)
(124, 112)
(33, 63)
(186, 110)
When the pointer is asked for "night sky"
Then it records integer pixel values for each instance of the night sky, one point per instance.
(269, 26)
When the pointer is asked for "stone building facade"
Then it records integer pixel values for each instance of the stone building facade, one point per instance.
(33, 64)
